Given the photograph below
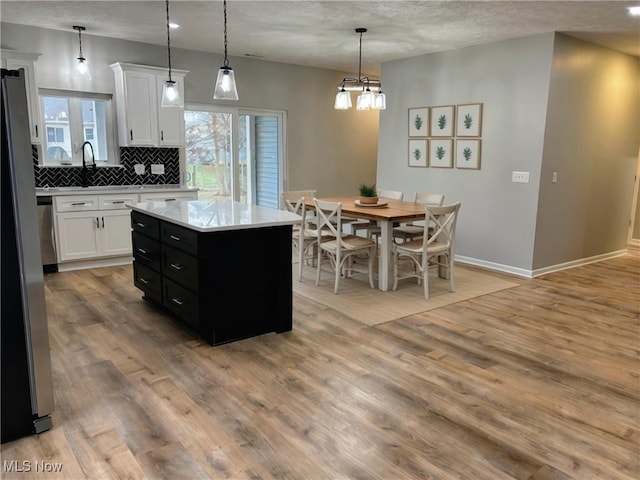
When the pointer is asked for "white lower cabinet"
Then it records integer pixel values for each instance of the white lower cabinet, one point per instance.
(86, 234)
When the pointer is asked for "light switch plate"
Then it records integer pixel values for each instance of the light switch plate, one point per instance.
(520, 177)
(157, 169)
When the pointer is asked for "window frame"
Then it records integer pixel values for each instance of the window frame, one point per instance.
(77, 128)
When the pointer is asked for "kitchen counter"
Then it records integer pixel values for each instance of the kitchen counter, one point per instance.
(54, 191)
(211, 216)
(222, 268)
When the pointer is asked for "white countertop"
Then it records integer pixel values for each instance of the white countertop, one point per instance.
(52, 191)
(211, 216)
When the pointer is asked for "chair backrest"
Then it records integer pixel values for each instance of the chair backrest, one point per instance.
(390, 194)
(292, 196)
(443, 221)
(329, 217)
(429, 198)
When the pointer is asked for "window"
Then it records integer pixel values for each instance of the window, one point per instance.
(72, 118)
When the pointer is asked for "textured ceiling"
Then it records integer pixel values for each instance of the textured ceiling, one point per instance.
(322, 33)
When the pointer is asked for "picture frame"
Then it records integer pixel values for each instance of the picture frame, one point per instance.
(441, 153)
(419, 122)
(417, 153)
(442, 121)
(469, 120)
(468, 154)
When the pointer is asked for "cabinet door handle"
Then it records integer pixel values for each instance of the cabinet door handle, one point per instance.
(143, 251)
(162, 135)
(177, 301)
(143, 280)
(131, 134)
(77, 204)
(177, 266)
(36, 131)
(102, 222)
(141, 225)
(97, 223)
(173, 237)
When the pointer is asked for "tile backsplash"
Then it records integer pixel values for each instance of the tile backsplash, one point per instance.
(124, 174)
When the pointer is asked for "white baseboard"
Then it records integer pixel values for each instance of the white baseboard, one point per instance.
(522, 272)
(94, 263)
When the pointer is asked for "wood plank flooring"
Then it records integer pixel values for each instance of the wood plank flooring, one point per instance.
(540, 381)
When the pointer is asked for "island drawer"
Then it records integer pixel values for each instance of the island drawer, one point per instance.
(180, 266)
(179, 237)
(181, 302)
(146, 250)
(145, 224)
(148, 281)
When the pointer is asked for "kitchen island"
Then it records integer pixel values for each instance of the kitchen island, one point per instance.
(221, 267)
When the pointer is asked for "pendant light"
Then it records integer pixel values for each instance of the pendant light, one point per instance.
(371, 96)
(170, 92)
(226, 82)
(81, 69)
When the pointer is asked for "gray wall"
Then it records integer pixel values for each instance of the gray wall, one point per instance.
(511, 79)
(591, 140)
(321, 151)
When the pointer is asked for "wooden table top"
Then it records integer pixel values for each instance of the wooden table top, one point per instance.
(394, 211)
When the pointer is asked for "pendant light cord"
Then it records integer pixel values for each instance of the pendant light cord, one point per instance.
(168, 42)
(360, 60)
(226, 60)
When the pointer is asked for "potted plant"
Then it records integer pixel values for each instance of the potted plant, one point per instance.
(368, 194)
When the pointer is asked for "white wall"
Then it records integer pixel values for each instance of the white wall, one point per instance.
(498, 218)
(328, 150)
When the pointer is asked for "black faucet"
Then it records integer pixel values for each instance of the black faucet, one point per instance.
(85, 167)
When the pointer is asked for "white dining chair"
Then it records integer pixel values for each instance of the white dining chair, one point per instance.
(371, 227)
(413, 230)
(435, 249)
(342, 248)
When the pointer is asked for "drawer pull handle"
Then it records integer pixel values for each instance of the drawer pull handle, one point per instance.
(177, 301)
(142, 250)
(77, 204)
(143, 280)
(173, 237)
(177, 266)
(170, 200)
(117, 201)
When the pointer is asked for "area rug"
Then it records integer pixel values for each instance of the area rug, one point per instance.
(371, 306)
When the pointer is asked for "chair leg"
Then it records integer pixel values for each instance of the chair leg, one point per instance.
(371, 270)
(395, 270)
(319, 266)
(300, 259)
(451, 283)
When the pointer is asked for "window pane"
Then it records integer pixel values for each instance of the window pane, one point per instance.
(94, 126)
(56, 117)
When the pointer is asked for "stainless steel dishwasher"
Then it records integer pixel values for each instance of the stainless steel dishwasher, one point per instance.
(47, 235)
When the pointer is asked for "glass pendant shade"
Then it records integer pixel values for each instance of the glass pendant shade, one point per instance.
(365, 99)
(171, 95)
(343, 100)
(81, 69)
(379, 101)
(225, 85)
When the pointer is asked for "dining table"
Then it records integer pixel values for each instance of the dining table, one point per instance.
(386, 213)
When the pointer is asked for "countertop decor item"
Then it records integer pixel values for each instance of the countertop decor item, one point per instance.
(368, 194)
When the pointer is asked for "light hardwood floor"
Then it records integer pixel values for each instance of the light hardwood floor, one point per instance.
(540, 381)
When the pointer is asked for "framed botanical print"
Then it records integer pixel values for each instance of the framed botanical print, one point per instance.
(418, 153)
(442, 121)
(468, 154)
(469, 120)
(441, 153)
(419, 122)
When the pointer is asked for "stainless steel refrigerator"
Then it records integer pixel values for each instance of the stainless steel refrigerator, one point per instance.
(26, 382)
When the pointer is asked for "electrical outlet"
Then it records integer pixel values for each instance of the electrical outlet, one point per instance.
(520, 177)
(157, 169)
(554, 177)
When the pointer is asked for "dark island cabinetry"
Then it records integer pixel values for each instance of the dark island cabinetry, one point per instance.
(225, 284)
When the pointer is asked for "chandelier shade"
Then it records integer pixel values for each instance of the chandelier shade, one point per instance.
(371, 96)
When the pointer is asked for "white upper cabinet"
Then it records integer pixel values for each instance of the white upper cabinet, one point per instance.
(13, 60)
(142, 121)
